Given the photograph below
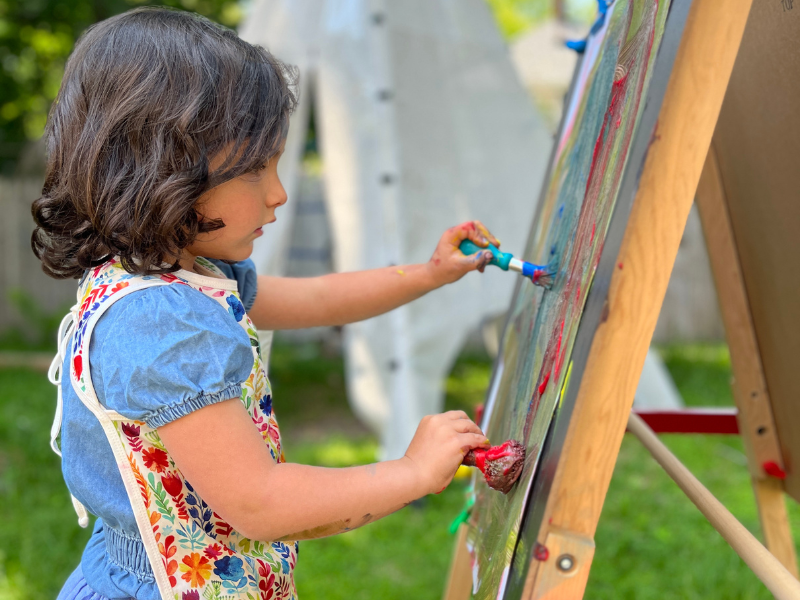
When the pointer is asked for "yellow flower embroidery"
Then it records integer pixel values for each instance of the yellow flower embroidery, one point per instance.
(196, 569)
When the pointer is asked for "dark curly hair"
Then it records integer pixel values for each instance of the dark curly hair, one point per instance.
(148, 98)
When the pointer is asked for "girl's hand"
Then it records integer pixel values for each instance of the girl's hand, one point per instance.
(449, 264)
(439, 446)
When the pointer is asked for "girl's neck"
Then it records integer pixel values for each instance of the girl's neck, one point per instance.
(187, 261)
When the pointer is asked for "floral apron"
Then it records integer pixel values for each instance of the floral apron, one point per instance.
(194, 554)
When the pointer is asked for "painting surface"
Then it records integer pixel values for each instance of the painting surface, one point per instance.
(533, 367)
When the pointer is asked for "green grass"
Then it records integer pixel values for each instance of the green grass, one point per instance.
(651, 542)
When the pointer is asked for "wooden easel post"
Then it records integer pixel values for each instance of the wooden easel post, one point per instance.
(756, 421)
(672, 169)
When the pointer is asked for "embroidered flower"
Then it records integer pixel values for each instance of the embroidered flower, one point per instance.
(130, 430)
(213, 552)
(155, 459)
(229, 567)
(190, 595)
(196, 569)
(265, 404)
(235, 307)
(77, 363)
(172, 483)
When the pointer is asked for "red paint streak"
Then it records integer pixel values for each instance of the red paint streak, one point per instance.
(468, 226)
(559, 355)
(772, 469)
(591, 239)
(543, 385)
(540, 552)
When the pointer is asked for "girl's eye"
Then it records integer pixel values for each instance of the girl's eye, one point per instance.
(255, 174)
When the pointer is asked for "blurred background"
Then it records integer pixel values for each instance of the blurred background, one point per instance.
(414, 115)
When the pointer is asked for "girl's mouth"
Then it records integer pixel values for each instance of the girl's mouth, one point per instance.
(259, 231)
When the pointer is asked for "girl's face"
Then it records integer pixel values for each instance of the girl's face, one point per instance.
(245, 204)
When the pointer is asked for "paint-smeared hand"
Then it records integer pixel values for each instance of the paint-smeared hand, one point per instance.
(449, 264)
(439, 446)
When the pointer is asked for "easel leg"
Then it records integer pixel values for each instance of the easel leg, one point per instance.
(775, 521)
(460, 578)
(756, 422)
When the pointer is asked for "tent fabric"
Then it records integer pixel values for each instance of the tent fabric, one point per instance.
(422, 124)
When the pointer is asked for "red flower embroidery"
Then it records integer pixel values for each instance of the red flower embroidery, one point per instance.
(77, 363)
(174, 486)
(266, 581)
(167, 551)
(172, 483)
(213, 552)
(155, 459)
(130, 430)
(132, 433)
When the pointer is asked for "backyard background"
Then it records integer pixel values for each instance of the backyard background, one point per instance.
(651, 542)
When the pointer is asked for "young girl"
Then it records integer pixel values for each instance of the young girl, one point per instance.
(163, 147)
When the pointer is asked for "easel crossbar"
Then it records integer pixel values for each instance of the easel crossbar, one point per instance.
(765, 566)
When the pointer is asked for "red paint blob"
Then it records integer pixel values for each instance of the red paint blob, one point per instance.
(436, 261)
(540, 552)
(619, 265)
(543, 385)
(772, 469)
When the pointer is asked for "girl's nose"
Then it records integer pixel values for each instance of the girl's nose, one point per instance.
(278, 196)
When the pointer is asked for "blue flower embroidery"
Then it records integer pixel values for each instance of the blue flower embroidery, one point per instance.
(265, 404)
(229, 567)
(235, 307)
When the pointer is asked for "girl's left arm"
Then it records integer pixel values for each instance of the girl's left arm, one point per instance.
(341, 298)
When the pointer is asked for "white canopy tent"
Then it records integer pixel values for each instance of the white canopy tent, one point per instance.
(422, 124)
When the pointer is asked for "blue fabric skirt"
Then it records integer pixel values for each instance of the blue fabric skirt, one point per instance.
(76, 588)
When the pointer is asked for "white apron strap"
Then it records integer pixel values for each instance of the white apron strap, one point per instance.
(106, 418)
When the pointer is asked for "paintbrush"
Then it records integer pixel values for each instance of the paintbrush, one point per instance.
(540, 275)
(501, 465)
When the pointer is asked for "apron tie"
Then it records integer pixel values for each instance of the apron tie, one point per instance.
(54, 375)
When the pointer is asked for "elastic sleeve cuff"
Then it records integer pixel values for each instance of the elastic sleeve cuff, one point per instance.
(167, 414)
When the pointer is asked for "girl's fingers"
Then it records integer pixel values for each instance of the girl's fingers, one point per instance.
(466, 426)
(469, 231)
(457, 414)
(468, 441)
(486, 233)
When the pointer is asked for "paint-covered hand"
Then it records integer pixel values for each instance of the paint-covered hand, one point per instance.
(449, 264)
(439, 446)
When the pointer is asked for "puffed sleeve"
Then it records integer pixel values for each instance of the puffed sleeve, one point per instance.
(160, 353)
(244, 272)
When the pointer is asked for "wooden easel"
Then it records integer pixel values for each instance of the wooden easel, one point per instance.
(682, 161)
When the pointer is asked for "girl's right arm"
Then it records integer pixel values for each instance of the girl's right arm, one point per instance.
(231, 469)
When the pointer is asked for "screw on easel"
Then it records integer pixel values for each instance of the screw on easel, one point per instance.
(565, 562)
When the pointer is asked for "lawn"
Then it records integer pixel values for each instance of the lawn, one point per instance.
(651, 542)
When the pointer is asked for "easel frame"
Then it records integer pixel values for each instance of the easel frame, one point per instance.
(582, 447)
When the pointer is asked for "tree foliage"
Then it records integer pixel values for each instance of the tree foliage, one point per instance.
(36, 37)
